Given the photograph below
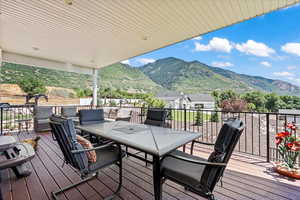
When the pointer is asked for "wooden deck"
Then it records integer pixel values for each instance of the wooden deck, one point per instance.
(245, 178)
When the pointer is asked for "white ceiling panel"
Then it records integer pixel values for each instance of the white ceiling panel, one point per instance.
(94, 33)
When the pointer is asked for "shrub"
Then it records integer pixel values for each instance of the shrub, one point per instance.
(199, 118)
(214, 117)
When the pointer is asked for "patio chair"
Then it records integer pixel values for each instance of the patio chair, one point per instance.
(200, 175)
(155, 117)
(75, 155)
(41, 116)
(70, 112)
(124, 115)
(90, 116)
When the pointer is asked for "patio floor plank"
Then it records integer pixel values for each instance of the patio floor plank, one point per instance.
(245, 178)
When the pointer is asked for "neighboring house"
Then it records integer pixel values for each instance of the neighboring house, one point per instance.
(180, 100)
(204, 101)
(290, 115)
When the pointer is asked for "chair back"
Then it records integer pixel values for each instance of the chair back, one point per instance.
(91, 116)
(226, 141)
(42, 112)
(65, 134)
(69, 111)
(156, 117)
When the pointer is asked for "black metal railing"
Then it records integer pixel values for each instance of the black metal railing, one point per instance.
(258, 138)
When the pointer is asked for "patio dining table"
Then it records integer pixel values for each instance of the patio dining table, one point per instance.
(156, 141)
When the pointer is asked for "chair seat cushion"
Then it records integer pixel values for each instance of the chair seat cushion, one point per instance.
(183, 171)
(105, 157)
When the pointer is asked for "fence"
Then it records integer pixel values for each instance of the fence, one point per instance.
(258, 138)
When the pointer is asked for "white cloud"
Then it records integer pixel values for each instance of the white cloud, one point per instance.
(127, 62)
(266, 63)
(292, 48)
(197, 38)
(255, 48)
(283, 74)
(215, 44)
(221, 64)
(144, 61)
(291, 67)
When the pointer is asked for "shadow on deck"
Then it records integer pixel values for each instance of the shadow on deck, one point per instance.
(245, 178)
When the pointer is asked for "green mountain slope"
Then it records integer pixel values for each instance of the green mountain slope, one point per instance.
(117, 76)
(195, 77)
(164, 74)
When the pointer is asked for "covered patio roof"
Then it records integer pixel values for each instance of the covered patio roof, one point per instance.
(79, 36)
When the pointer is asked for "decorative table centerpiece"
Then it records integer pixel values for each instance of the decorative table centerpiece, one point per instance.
(288, 145)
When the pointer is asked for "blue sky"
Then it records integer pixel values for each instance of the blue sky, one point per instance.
(267, 46)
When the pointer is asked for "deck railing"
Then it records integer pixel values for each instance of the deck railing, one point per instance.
(258, 138)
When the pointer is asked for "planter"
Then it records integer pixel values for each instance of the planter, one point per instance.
(291, 173)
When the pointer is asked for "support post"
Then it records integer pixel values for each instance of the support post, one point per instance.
(268, 136)
(0, 57)
(95, 86)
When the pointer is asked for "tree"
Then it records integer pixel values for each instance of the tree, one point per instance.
(154, 103)
(199, 118)
(216, 95)
(257, 98)
(273, 102)
(234, 105)
(32, 85)
(86, 92)
(251, 107)
(228, 94)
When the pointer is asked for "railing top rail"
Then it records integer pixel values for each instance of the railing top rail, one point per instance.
(179, 109)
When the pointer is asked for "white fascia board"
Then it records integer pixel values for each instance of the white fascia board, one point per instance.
(10, 57)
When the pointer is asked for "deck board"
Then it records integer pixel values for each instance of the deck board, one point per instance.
(245, 178)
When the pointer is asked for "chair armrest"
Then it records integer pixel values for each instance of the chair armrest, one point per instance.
(206, 143)
(200, 162)
(95, 148)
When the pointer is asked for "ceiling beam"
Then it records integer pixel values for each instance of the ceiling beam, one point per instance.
(15, 58)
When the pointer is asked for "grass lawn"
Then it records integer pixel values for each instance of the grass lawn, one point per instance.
(178, 115)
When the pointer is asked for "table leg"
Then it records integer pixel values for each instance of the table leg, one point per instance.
(27, 127)
(20, 128)
(157, 182)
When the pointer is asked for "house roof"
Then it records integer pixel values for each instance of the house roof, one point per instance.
(289, 111)
(173, 95)
(200, 97)
(168, 98)
(168, 94)
(82, 35)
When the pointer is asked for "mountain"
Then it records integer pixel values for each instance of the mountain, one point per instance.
(164, 74)
(116, 76)
(196, 77)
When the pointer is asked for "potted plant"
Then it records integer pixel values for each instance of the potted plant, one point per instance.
(288, 145)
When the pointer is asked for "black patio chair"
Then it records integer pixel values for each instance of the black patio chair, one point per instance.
(41, 116)
(155, 117)
(200, 175)
(91, 116)
(75, 154)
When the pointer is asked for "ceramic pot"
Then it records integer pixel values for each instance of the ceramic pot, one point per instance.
(292, 173)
